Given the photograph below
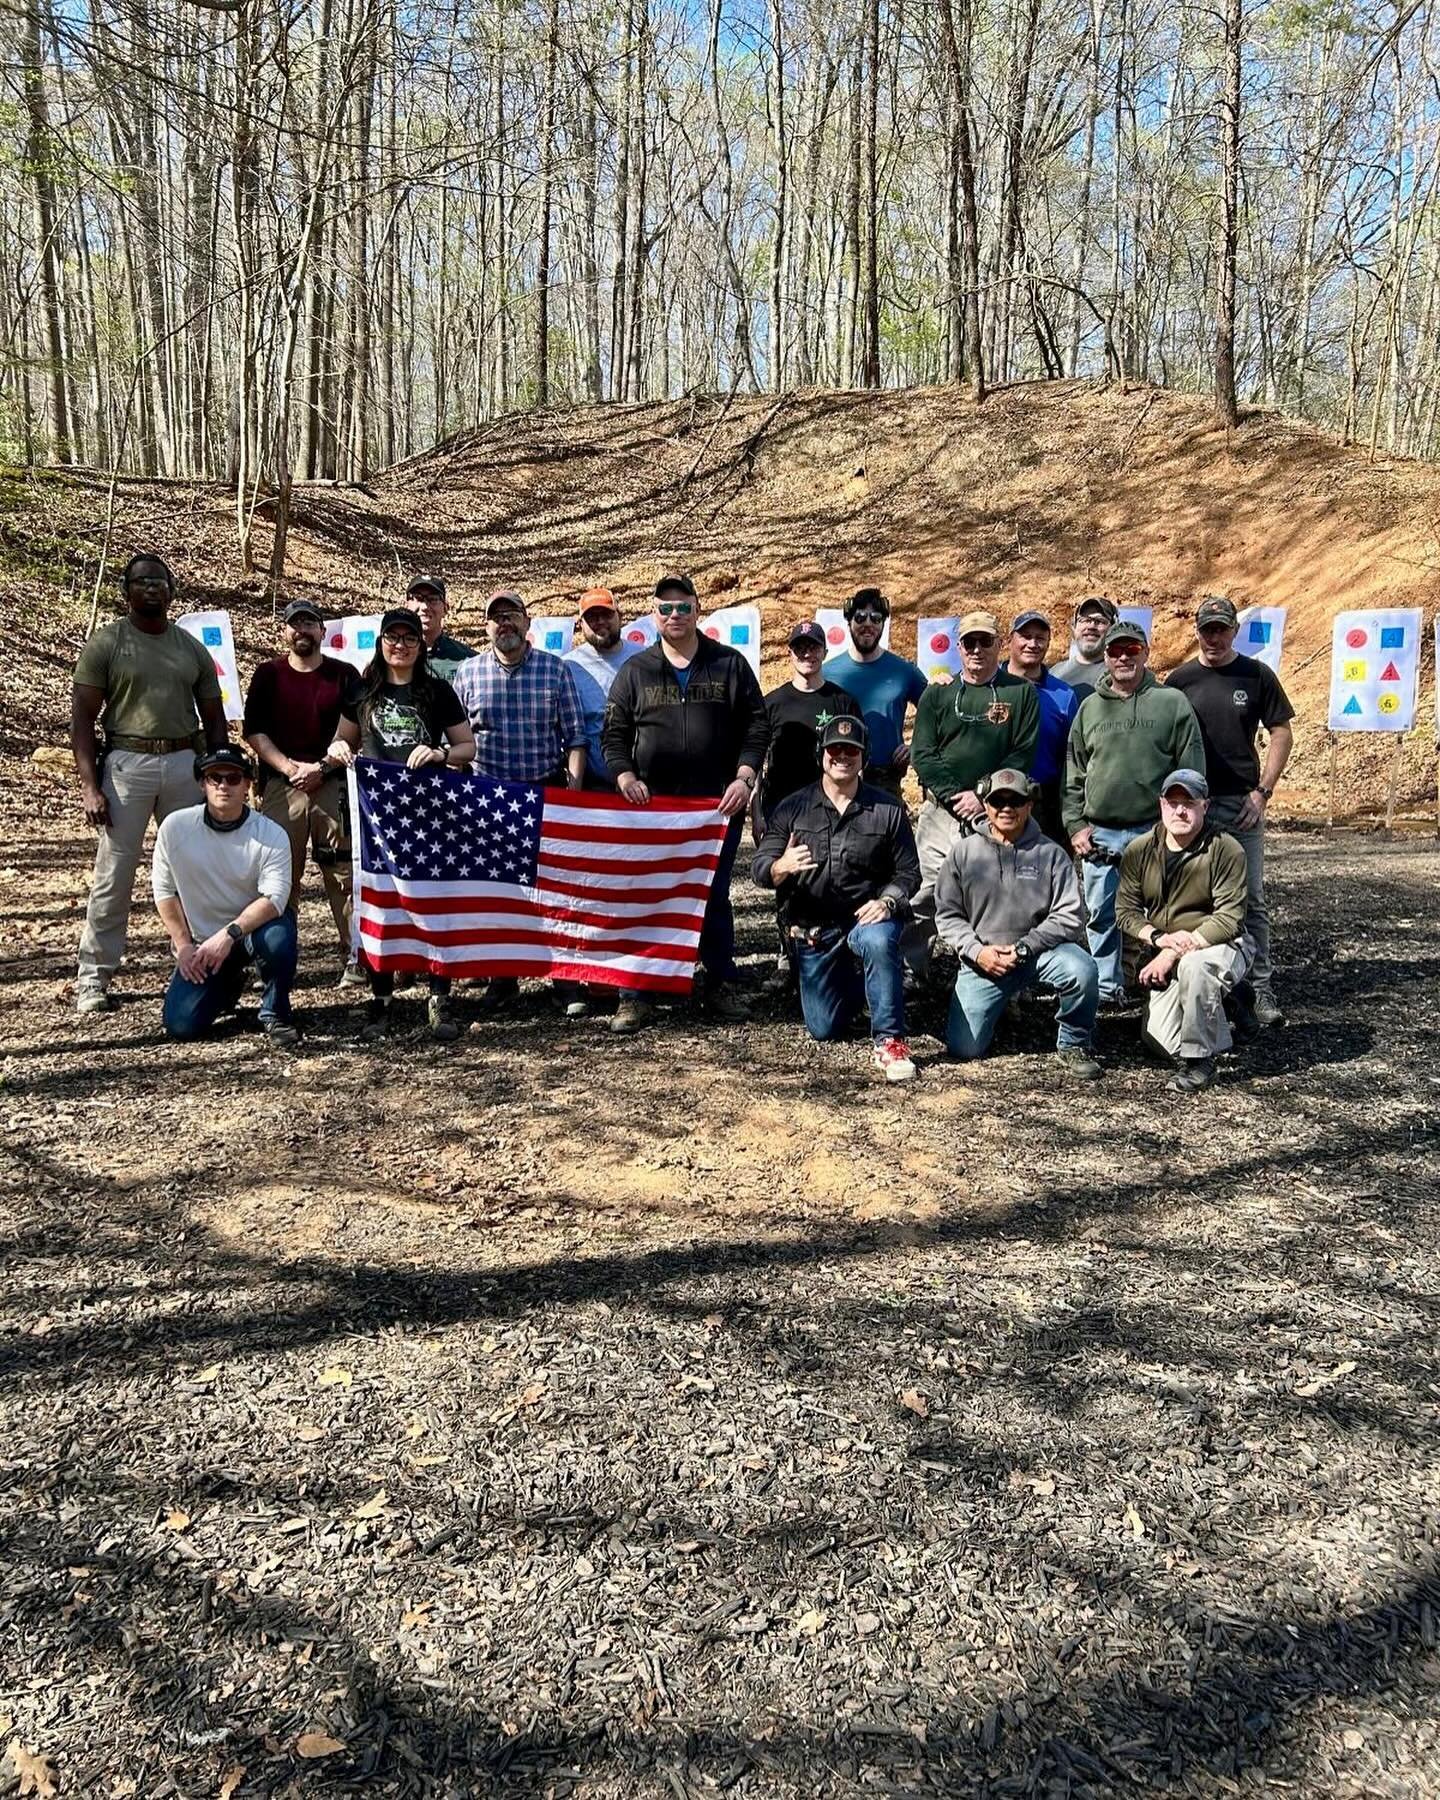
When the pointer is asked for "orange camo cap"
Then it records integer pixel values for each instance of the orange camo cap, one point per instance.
(596, 596)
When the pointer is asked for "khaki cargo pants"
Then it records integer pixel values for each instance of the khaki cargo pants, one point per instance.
(315, 822)
(139, 787)
(1187, 1017)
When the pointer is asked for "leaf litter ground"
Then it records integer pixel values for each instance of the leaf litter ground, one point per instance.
(553, 1415)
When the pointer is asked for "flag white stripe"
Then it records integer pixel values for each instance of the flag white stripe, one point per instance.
(562, 930)
(615, 850)
(638, 819)
(540, 954)
(678, 908)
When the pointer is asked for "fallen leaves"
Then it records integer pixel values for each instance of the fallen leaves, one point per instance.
(34, 1772)
(232, 1780)
(810, 1624)
(1134, 1524)
(177, 1520)
(314, 1744)
(866, 1624)
(333, 1375)
(373, 1507)
(1309, 1389)
(914, 1401)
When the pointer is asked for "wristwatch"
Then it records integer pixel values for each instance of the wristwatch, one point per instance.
(1260, 788)
(233, 932)
(1022, 953)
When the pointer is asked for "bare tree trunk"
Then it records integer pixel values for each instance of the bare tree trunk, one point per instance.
(870, 341)
(547, 177)
(1225, 400)
(40, 152)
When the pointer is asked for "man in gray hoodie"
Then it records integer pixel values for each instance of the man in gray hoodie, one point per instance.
(1007, 902)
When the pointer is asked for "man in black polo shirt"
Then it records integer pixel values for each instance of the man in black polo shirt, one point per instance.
(842, 858)
(1233, 696)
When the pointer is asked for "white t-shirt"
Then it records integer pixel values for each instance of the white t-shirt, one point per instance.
(594, 672)
(215, 875)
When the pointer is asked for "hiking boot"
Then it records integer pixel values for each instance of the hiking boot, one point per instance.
(1242, 1011)
(499, 994)
(1195, 1074)
(284, 1034)
(377, 1022)
(1268, 1011)
(404, 980)
(1078, 1062)
(630, 1016)
(726, 1001)
(444, 1027)
(892, 1055)
(90, 997)
(351, 976)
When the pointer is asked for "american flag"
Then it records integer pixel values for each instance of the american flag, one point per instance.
(458, 874)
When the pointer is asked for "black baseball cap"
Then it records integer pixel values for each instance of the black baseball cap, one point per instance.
(402, 615)
(301, 609)
(681, 583)
(1098, 603)
(224, 756)
(806, 631)
(1216, 610)
(844, 730)
(505, 599)
(420, 582)
(1029, 618)
(1125, 631)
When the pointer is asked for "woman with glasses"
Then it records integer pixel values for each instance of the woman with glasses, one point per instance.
(404, 714)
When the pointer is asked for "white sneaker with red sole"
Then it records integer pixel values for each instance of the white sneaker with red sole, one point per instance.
(893, 1056)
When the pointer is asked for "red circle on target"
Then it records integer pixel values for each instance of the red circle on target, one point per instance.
(836, 634)
(712, 631)
(631, 637)
(1356, 637)
(337, 641)
(940, 643)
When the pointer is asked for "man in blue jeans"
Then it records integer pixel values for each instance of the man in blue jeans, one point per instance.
(842, 858)
(1007, 903)
(221, 879)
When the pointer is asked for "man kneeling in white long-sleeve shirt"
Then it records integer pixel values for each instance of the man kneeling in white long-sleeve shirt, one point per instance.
(222, 879)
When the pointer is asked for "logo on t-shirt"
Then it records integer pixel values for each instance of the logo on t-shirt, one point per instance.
(1241, 698)
(397, 724)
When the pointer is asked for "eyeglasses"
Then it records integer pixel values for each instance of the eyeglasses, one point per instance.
(806, 647)
(683, 608)
(975, 642)
(400, 640)
(226, 777)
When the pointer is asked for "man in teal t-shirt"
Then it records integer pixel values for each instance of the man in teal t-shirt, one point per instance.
(884, 686)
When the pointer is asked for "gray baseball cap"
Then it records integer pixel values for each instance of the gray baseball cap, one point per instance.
(1193, 782)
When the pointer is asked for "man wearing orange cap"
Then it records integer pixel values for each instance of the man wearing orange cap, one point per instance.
(594, 663)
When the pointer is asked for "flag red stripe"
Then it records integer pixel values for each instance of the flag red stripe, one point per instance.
(417, 906)
(371, 932)
(625, 833)
(658, 865)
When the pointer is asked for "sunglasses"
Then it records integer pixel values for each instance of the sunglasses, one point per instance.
(866, 617)
(974, 642)
(1215, 625)
(1007, 802)
(806, 647)
(666, 608)
(400, 640)
(226, 777)
(843, 750)
(1131, 647)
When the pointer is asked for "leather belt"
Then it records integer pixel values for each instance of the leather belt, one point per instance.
(120, 740)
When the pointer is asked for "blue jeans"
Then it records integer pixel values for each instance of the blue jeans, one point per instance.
(980, 999)
(850, 970)
(1099, 883)
(192, 1007)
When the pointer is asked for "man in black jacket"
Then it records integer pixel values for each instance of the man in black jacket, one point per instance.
(685, 717)
(841, 857)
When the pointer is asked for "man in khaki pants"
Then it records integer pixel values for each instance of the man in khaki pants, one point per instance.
(292, 711)
(157, 689)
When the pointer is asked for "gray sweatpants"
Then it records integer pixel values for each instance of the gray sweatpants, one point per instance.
(139, 788)
(1187, 1018)
(1223, 813)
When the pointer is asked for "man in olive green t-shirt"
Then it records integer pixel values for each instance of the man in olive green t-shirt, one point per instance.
(149, 679)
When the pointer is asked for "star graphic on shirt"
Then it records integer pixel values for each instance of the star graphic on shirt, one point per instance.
(822, 719)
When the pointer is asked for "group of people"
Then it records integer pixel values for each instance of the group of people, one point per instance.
(1157, 793)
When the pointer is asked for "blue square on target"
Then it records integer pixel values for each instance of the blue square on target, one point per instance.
(364, 640)
(739, 634)
(1259, 631)
(554, 640)
(1392, 637)
(210, 634)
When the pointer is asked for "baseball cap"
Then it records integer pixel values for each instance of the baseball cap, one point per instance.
(1030, 618)
(301, 609)
(420, 582)
(682, 582)
(1098, 603)
(402, 615)
(806, 631)
(1216, 610)
(595, 598)
(224, 756)
(503, 597)
(1193, 782)
(1125, 631)
(844, 730)
(978, 621)
(1014, 782)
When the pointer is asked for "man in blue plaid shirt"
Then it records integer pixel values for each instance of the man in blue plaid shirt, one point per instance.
(526, 715)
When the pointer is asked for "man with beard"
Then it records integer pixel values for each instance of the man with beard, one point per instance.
(883, 685)
(593, 664)
(1085, 664)
(157, 689)
(443, 653)
(292, 711)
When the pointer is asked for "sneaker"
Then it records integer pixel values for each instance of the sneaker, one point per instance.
(1079, 1063)
(1242, 1011)
(352, 976)
(726, 1001)
(499, 993)
(377, 1022)
(1194, 1075)
(284, 1034)
(444, 1028)
(630, 1016)
(1268, 1011)
(577, 1009)
(1118, 1002)
(893, 1056)
(90, 997)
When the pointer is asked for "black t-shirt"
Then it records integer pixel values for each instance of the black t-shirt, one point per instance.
(400, 717)
(1232, 704)
(794, 716)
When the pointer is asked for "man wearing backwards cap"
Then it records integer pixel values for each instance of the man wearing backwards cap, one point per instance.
(1085, 664)
(1127, 734)
(221, 877)
(292, 711)
(1181, 905)
(1233, 697)
(1029, 646)
(882, 684)
(1007, 903)
(841, 858)
(593, 664)
(443, 653)
(964, 730)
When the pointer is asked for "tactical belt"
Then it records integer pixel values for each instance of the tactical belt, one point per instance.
(119, 740)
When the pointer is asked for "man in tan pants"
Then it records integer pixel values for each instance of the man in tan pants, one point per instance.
(154, 689)
(292, 710)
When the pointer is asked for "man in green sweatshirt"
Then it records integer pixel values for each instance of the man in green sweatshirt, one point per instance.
(964, 731)
(1127, 736)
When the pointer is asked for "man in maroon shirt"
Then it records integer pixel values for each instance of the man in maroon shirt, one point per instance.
(291, 714)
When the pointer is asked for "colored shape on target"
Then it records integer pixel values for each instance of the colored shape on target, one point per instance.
(1389, 703)
(1391, 673)
(739, 634)
(835, 634)
(634, 637)
(364, 640)
(1392, 637)
(940, 643)
(1259, 631)
(554, 640)
(1352, 706)
(1354, 671)
(712, 631)
(337, 640)
(1356, 637)
(211, 635)
(937, 670)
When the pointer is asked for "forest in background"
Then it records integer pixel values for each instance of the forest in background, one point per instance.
(268, 243)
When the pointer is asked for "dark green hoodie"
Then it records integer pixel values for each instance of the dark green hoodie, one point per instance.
(1120, 750)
